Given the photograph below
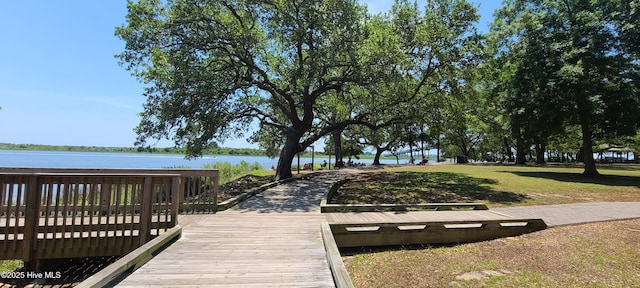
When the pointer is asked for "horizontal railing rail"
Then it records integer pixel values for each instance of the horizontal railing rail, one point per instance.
(64, 215)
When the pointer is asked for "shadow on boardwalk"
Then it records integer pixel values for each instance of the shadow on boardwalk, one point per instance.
(297, 196)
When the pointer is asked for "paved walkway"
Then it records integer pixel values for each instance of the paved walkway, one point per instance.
(580, 213)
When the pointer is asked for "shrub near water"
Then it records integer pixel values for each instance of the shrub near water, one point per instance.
(9, 265)
(228, 172)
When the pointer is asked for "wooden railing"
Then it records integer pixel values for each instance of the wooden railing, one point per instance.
(64, 215)
(199, 190)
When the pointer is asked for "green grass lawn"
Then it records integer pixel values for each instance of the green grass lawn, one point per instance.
(495, 185)
(592, 255)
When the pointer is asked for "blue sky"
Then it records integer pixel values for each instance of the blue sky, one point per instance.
(60, 83)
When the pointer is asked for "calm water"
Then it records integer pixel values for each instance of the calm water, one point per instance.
(59, 159)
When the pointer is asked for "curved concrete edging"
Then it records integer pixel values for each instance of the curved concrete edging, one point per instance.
(327, 195)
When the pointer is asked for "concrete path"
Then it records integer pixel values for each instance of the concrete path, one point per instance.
(579, 213)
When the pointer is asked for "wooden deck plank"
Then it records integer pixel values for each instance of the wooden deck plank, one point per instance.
(413, 216)
(259, 250)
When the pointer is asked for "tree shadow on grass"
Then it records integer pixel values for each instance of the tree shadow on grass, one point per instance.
(421, 187)
(608, 180)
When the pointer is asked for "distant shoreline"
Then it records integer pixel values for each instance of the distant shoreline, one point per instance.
(153, 150)
(162, 150)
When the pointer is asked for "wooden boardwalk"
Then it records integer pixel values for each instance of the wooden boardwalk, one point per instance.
(270, 240)
(274, 239)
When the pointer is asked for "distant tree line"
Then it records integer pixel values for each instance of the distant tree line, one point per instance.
(10, 146)
(167, 150)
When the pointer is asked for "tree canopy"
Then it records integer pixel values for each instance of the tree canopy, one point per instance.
(569, 62)
(548, 73)
(214, 67)
(300, 69)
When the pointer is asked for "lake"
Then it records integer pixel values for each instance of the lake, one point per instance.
(61, 159)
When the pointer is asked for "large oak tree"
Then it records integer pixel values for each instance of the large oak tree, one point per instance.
(301, 69)
(213, 67)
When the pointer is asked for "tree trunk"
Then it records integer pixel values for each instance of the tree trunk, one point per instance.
(521, 158)
(438, 150)
(376, 159)
(411, 159)
(587, 146)
(410, 146)
(288, 152)
(507, 149)
(463, 147)
(337, 142)
(540, 147)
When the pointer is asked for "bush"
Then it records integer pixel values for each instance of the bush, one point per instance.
(228, 172)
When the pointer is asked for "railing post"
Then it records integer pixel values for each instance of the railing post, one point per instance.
(182, 191)
(31, 221)
(216, 178)
(146, 210)
(177, 191)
